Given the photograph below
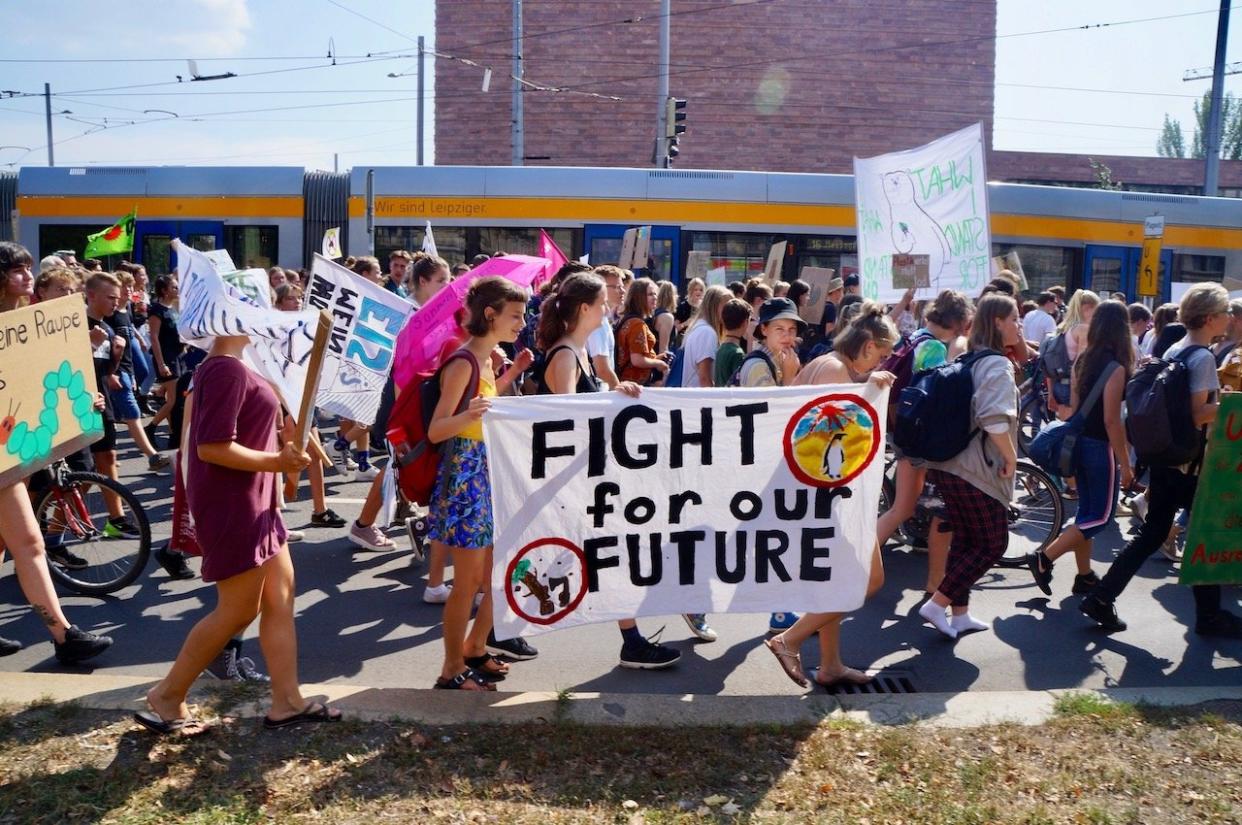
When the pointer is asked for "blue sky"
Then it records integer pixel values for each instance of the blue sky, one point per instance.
(1099, 90)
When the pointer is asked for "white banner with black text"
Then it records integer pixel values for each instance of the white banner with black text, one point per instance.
(682, 501)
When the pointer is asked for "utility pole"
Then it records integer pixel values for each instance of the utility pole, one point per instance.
(47, 110)
(519, 124)
(421, 100)
(1211, 165)
(336, 162)
(661, 156)
(370, 211)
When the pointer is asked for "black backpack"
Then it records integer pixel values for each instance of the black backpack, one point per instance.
(933, 421)
(735, 380)
(1160, 421)
(1055, 363)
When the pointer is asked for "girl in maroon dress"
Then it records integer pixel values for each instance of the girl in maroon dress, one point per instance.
(232, 461)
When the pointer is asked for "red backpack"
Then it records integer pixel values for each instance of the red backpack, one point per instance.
(408, 423)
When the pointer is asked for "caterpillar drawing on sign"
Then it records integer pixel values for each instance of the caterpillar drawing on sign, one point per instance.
(32, 443)
(913, 230)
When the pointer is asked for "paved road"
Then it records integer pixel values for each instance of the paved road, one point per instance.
(361, 620)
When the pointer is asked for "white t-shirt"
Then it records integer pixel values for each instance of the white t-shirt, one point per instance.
(603, 342)
(1038, 325)
(701, 344)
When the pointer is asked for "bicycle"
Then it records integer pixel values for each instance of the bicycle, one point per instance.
(1035, 512)
(72, 513)
(1033, 411)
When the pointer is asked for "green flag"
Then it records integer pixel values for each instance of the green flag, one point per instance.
(114, 240)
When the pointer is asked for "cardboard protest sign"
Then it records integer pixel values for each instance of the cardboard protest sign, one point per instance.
(280, 342)
(47, 386)
(697, 261)
(930, 201)
(911, 271)
(718, 276)
(628, 241)
(817, 278)
(365, 322)
(1214, 538)
(332, 243)
(776, 260)
(682, 501)
(1013, 263)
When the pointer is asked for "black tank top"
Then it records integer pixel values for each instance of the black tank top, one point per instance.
(1094, 426)
(587, 381)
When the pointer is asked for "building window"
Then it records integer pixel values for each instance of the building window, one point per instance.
(1045, 266)
(1198, 268)
(253, 246)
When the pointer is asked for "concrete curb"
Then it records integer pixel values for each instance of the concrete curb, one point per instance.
(433, 707)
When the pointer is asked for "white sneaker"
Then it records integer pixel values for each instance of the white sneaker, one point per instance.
(370, 538)
(438, 594)
(1138, 506)
(347, 458)
(294, 536)
(368, 474)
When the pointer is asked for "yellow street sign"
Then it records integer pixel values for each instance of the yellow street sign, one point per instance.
(1149, 265)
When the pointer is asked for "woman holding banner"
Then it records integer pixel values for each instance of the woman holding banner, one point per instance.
(19, 529)
(859, 349)
(566, 321)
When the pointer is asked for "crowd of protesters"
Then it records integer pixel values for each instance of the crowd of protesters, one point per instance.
(601, 329)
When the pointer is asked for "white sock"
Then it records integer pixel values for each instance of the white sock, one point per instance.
(935, 616)
(965, 622)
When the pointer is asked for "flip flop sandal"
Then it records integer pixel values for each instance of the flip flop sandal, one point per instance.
(314, 712)
(469, 676)
(790, 662)
(171, 727)
(839, 682)
(488, 666)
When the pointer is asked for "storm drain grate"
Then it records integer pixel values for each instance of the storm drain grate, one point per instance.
(885, 682)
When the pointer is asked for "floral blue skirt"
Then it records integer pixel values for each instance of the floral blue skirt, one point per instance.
(461, 506)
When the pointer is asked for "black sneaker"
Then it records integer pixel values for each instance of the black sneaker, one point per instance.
(517, 649)
(648, 655)
(1084, 583)
(328, 518)
(66, 558)
(79, 646)
(158, 462)
(8, 647)
(1224, 624)
(1104, 613)
(174, 563)
(1040, 571)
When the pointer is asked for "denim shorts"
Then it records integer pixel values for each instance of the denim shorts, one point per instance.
(124, 404)
(1098, 484)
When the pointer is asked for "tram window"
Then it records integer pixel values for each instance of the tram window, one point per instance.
(450, 241)
(522, 241)
(157, 254)
(1046, 266)
(1195, 268)
(65, 236)
(253, 246)
(742, 255)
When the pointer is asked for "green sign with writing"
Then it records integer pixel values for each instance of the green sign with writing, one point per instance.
(1214, 539)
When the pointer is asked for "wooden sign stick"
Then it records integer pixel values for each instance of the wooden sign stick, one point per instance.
(311, 388)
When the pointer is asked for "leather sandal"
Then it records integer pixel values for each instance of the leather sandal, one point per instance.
(468, 679)
(790, 662)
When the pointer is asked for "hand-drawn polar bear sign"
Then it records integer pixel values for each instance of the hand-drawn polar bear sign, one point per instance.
(927, 201)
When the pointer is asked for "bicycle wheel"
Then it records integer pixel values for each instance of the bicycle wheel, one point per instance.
(84, 553)
(1031, 416)
(1035, 514)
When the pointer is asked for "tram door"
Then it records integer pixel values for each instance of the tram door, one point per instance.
(602, 241)
(153, 242)
(1109, 269)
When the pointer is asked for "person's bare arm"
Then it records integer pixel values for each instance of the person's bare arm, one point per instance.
(603, 368)
(704, 368)
(230, 454)
(1114, 395)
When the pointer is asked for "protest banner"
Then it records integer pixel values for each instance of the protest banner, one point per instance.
(332, 243)
(718, 276)
(550, 252)
(429, 242)
(365, 320)
(1213, 552)
(776, 260)
(314, 371)
(642, 249)
(817, 278)
(221, 260)
(47, 386)
(697, 261)
(252, 283)
(682, 501)
(931, 201)
(280, 342)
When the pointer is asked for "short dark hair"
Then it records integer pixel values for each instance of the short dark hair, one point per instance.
(1045, 298)
(851, 279)
(737, 288)
(1138, 313)
(490, 292)
(13, 255)
(736, 312)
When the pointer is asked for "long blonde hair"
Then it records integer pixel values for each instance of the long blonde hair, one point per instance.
(666, 298)
(1073, 310)
(710, 308)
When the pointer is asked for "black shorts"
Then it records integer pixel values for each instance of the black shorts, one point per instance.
(108, 442)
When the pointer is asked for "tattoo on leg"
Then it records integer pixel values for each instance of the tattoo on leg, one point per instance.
(46, 616)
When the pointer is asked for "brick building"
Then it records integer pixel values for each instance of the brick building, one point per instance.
(808, 85)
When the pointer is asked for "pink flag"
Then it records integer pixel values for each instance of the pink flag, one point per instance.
(555, 258)
(430, 327)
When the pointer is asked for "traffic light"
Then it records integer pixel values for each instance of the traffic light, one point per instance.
(674, 126)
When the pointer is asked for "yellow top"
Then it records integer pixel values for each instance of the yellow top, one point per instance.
(487, 389)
